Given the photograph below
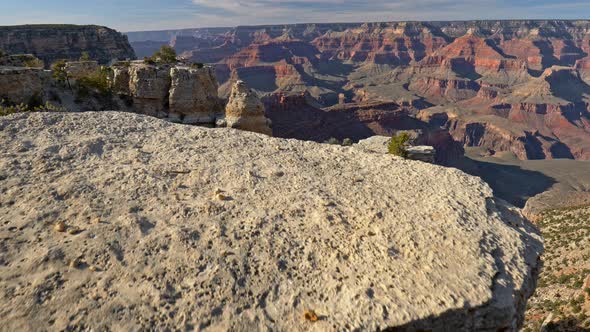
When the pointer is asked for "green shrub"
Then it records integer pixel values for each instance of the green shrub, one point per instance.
(165, 55)
(398, 145)
(2, 53)
(35, 105)
(347, 142)
(58, 70)
(97, 82)
(34, 63)
(149, 61)
(85, 56)
(197, 65)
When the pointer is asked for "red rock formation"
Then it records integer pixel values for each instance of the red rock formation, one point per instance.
(396, 45)
(499, 75)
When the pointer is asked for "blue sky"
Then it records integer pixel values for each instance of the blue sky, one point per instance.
(129, 15)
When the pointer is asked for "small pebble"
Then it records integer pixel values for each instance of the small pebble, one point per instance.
(93, 268)
(310, 315)
(221, 197)
(75, 263)
(60, 226)
(73, 230)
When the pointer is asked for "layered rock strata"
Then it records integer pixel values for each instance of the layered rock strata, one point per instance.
(56, 42)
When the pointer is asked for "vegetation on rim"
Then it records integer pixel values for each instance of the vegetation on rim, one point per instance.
(560, 289)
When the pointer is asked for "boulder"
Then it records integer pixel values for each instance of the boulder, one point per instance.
(245, 111)
(422, 152)
(193, 95)
(149, 86)
(179, 227)
(377, 144)
(380, 144)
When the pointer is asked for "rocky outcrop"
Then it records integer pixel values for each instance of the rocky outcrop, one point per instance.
(120, 79)
(245, 111)
(193, 95)
(380, 144)
(215, 238)
(149, 87)
(20, 85)
(20, 60)
(55, 42)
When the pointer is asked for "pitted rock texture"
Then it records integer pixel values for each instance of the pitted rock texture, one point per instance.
(193, 95)
(245, 111)
(215, 229)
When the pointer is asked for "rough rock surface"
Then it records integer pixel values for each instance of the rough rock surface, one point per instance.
(180, 227)
(19, 85)
(149, 86)
(193, 95)
(51, 42)
(380, 144)
(120, 79)
(245, 111)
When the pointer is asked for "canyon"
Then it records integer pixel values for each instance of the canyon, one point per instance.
(509, 87)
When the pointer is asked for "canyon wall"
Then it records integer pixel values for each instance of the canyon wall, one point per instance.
(68, 42)
(517, 86)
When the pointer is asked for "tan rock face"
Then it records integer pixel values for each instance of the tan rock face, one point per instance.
(18, 85)
(193, 95)
(120, 80)
(245, 111)
(419, 247)
(149, 86)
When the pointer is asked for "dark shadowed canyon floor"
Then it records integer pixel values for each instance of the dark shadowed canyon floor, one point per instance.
(535, 185)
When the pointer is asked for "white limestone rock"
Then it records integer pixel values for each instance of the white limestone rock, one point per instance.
(364, 241)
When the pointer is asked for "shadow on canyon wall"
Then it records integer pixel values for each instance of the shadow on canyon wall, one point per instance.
(511, 183)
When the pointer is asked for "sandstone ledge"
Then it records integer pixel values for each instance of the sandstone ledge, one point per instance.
(366, 242)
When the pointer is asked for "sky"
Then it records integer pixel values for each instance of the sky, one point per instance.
(138, 15)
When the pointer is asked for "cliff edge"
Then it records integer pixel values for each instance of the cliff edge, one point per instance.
(122, 221)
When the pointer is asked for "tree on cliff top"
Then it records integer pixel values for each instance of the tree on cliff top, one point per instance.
(85, 56)
(397, 145)
(165, 55)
